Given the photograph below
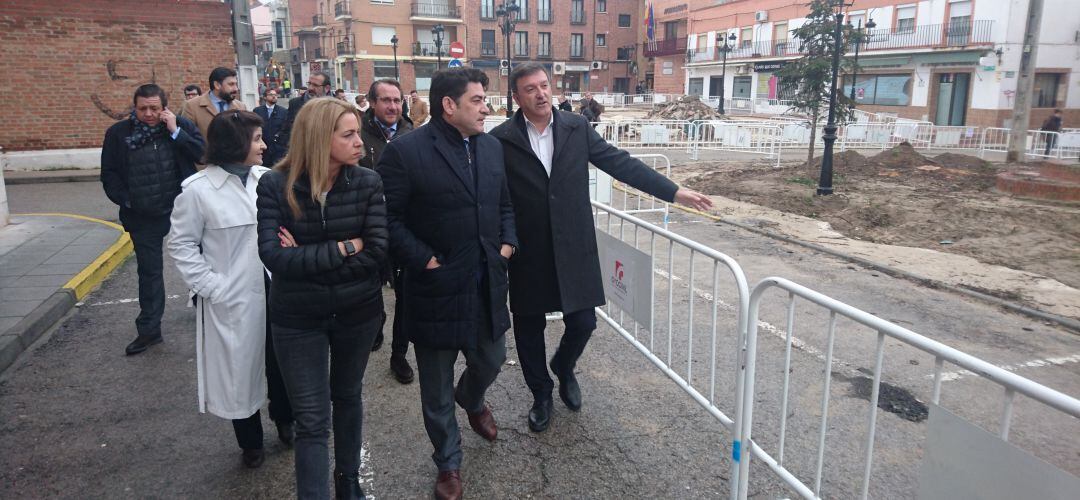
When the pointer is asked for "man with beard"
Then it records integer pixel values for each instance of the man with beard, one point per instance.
(382, 123)
(224, 93)
(273, 117)
(547, 155)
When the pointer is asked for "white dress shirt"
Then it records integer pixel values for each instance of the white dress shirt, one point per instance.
(543, 144)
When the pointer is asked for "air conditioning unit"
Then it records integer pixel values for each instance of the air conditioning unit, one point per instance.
(597, 65)
(558, 68)
(761, 16)
(504, 63)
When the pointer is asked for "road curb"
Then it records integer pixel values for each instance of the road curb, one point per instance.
(1063, 321)
(27, 331)
(11, 181)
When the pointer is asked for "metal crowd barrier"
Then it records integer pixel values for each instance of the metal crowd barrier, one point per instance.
(746, 137)
(677, 348)
(1010, 383)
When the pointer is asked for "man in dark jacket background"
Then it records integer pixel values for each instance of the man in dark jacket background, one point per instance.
(452, 230)
(318, 86)
(380, 124)
(143, 161)
(547, 155)
(273, 117)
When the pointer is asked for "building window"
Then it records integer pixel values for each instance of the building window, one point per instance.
(577, 11)
(623, 53)
(383, 2)
(487, 9)
(624, 20)
(577, 42)
(424, 71)
(487, 42)
(671, 30)
(601, 5)
(279, 35)
(381, 35)
(384, 69)
(746, 39)
(521, 43)
(622, 86)
(601, 40)
(905, 19)
(881, 90)
(959, 28)
(523, 14)
(1045, 91)
(697, 86)
(544, 49)
(543, 11)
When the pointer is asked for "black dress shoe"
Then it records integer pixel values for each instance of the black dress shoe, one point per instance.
(540, 415)
(142, 343)
(286, 432)
(378, 342)
(401, 369)
(347, 488)
(569, 390)
(253, 458)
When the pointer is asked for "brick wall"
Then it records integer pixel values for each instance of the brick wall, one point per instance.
(73, 66)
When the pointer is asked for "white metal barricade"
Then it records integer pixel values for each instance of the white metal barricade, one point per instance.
(1068, 143)
(866, 135)
(625, 198)
(671, 345)
(746, 137)
(1042, 144)
(949, 137)
(994, 139)
(648, 134)
(1010, 383)
(490, 122)
(916, 133)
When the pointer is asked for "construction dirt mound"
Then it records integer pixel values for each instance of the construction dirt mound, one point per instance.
(685, 108)
(901, 156)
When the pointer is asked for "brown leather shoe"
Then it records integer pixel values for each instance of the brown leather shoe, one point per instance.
(448, 486)
(484, 424)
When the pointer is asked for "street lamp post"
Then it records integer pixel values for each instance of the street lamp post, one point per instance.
(855, 68)
(394, 41)
(507, 12)
(825, 186)
(724, 49)
(437, 33)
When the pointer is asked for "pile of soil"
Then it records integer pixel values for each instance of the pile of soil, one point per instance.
(902, 197)
(685, 108)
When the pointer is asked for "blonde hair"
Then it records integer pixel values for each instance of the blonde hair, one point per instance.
(309, 147)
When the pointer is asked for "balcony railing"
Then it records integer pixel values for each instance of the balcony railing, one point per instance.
(955, 34)
(317, 54)
(436, 10)
(544, 16)
(345, 48)
(488, 48)
(317, 21)
(669, 47)
(429, 50)
(342, 10)
(577, 17)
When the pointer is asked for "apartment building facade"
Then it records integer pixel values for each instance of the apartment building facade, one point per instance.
(951, 62)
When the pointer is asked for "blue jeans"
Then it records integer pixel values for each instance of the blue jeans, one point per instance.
(304, 356)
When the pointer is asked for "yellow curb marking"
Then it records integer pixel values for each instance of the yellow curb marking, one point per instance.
(96, 272)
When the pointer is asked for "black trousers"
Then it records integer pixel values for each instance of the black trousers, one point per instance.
(249, 431)
(400, 344)
(529, 339)
(147, 235)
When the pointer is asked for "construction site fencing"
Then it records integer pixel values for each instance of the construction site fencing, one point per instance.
(744, 137)
(626, 198)
(1009, 383)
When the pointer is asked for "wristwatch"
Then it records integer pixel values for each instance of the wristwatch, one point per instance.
(350, 248)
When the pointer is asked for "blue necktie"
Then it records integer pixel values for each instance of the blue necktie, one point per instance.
(221, 106)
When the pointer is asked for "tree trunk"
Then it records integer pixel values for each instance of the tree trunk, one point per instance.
(813, 139)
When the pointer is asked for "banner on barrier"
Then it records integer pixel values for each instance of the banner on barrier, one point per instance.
(627, 274)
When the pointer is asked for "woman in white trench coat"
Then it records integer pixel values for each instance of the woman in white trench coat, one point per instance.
(216, 211)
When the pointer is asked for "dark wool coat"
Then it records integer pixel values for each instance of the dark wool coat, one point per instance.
(556, 267)
(313, 281)
(435, 208)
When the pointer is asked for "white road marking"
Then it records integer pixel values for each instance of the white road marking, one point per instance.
(779, 333)
(120, 301)
(367, 473)
(1035, 363)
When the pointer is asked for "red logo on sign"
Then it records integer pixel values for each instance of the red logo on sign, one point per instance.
(619, 269)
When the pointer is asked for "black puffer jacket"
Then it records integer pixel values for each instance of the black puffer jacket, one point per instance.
(314, 281)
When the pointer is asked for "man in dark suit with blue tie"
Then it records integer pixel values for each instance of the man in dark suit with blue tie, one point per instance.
(273, 117)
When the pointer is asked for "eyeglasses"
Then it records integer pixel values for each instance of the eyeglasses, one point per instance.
(191, 94)
(389, 100)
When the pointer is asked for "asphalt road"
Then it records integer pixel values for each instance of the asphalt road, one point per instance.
(78, 418)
